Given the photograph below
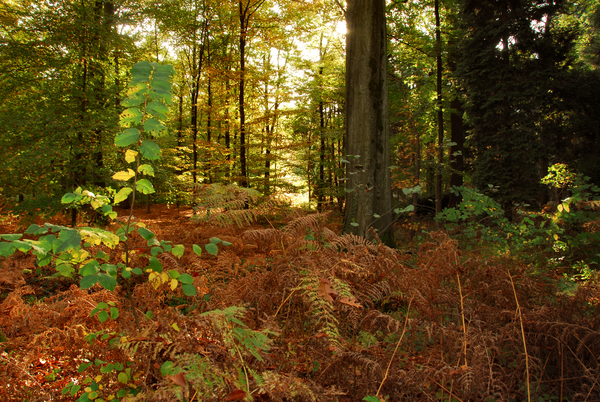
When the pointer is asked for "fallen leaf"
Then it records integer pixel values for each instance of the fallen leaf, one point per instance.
(236, 395)
(178, 379)
(346, 300)
(321, 335)
(325, 290)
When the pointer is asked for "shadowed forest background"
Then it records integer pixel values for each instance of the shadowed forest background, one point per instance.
(174, 184)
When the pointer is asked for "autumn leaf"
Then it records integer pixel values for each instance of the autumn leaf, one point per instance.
(236, 395)
(353, 303)
(178, 379)
(325, 290)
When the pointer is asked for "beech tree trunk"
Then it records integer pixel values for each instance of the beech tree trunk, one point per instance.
(369, 198)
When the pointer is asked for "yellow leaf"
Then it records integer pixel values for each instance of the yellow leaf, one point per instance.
(98, 378)
(123, 339)
(154, 280)
(165, 277)
(555, 236)
(96, 204)
(560, 207)
(87, 389)
(567, 207)
(130, 155)
(175, 326)
(124, 257)
(124, 175)
(174, 284)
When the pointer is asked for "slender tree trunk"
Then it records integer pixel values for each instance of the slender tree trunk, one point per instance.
(456, 151)
(227, 129)
(440, 113)
(242, 111)
(369, 198)
(321, 186)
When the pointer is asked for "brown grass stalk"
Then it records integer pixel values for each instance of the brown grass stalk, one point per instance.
(387, 371)
(522, 336)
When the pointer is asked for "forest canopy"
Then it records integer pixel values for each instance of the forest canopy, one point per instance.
(479, 94)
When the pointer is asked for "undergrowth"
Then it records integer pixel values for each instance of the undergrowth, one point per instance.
(301, 313)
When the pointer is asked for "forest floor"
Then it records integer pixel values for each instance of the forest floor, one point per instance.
(292, 311)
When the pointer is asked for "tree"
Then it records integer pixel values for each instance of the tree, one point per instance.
(369, 200)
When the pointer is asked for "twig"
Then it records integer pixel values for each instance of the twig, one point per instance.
(396, 349)
(462, 313)
(446, 389)
(522, 336)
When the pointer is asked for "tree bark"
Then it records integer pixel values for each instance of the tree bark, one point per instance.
(369, 198)
(440, 112)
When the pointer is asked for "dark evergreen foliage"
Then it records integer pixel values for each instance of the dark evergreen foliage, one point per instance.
(526, 100)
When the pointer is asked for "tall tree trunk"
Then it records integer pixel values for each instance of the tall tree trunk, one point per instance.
(321, 186)
(456, 151)
(241, 106)
(369, 198)
(440, 113)
(227, 128)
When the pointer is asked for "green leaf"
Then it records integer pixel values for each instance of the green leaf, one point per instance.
(145, 233)
(110, 269)
(114, 313)
(70, 197)
(174, 274)
(102, 316)
(22, 246)
(150, 150)
(188, 289)
(137, 271)
(197, 249)
(65, 270)
(122, 194)
(11, 237)
(215, 240)
(75, 389)
(155, 264)
(141, 69)
(7, 249)
(166, 368)
(144, 186)
(157, 109)
(146, 169)
(133, 100)
(127, 137)
(70, 239)
(102, 305)
(130, 117)
(83, 366)
(178, 250)
(107, 281)
(155, 127)
(90, 268)
(88, 281)
(186, 278)
(212, 248)
(160, 94)
(123, 378)
(36, 230)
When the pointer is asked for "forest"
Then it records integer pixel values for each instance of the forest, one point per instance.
(300, 200)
